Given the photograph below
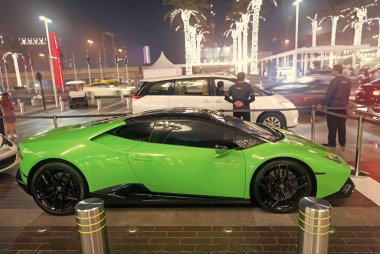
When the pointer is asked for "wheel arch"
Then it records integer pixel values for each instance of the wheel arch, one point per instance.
(307, 167)
(273, 112)
(46, 161)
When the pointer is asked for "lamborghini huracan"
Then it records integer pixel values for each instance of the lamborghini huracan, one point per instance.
(177, 156)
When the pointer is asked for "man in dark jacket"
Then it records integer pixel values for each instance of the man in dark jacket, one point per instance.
(337, 95)
(241, 95)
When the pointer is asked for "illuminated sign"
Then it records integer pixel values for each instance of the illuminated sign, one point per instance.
(32, 41)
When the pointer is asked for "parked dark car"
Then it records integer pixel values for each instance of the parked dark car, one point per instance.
(368, 94)
(301, 94)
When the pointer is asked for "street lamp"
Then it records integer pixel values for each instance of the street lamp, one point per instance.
(46, 21)
(295, 54)
(90, 42)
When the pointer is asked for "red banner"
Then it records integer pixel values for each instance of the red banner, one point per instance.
(57, 60)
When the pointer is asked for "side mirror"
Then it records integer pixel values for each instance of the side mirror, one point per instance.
(221, 149)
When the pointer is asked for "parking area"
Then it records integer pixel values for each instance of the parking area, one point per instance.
(24, 228)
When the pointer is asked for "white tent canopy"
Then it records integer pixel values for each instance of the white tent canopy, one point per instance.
(161, 68)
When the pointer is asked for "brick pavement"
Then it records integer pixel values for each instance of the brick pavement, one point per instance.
(186, 239)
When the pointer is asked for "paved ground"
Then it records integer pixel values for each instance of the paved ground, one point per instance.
(24, 228)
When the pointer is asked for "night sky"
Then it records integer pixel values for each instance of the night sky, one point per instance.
(135, 23)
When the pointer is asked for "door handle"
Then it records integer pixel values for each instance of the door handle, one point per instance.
(206, 101)
(219, 101)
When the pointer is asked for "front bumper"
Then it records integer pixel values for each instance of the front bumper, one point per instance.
(21, 182)
(348, 188)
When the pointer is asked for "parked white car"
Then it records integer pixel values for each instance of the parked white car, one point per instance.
(199, 91)
(8, 154)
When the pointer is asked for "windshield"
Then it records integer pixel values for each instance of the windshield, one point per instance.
(258, 130)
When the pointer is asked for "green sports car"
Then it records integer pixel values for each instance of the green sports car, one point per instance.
(177, 155)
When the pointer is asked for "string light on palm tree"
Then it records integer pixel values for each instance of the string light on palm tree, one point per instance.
(245, 18)
(186, 10)
(234, 35)
(199, 38)
(239, 30)
(378, 35)
(254, 8)
(357, 24)
(315, 26)
(334, 25)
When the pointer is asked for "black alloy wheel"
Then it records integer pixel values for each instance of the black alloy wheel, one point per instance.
(57, 188)
(280, 185)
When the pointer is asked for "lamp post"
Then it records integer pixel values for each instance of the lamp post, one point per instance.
(90, 42)
(126, 66)
(295, 54)
(47, 21)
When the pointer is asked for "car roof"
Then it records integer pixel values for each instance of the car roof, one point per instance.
(187, 77)
(187, 112)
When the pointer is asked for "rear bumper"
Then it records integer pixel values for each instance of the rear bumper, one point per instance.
(20, 182)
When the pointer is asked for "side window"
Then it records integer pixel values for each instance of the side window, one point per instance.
(244, 141)
(158, 88)
(196, 87)
(192, 133)
(227, 84)
(135, 131)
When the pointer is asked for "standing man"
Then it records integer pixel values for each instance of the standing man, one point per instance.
(337, 96)
(241, 95)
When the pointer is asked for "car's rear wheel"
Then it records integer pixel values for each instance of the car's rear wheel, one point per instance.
(279, 185)
(273, 119)
(57, 188)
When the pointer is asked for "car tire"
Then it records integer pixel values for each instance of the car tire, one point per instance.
(279, 186)
(57, 188)
(273, 119)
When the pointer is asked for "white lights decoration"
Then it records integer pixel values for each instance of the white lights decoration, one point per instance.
(378, 35)
(245, 18)
(199, 38)
(334, 25)
(254, 7)
(314, 28)
(189, 35)
(239, 30)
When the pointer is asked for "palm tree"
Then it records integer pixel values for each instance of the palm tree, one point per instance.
(360, 8)
(253, 9)
(189, 12)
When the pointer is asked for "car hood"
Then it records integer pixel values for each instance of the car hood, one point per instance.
(296, 140)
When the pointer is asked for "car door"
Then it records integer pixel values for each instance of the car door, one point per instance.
(181, 158)
(194, 92)
(153, 96)
(220, 103)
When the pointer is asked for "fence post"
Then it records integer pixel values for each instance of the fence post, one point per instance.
(99, 103)
(91, 221)
(359, 139)
(129, 103)
(22, 108)
(61, 104)
(313, 123)
(55, 121)
(313, 226)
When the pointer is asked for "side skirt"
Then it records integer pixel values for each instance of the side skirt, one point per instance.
(139, 194)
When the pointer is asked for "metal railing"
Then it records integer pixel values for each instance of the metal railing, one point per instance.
(312, 109)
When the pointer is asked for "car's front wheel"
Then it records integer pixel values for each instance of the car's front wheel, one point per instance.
(57, 188)
(273, 119)
(279, 185)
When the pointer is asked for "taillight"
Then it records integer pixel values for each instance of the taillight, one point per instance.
(136, 97)
(376, 92)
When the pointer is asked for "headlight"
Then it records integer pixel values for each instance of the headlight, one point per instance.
(333, 157)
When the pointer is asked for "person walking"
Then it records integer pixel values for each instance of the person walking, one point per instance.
(9, 116)
(337, 95)
(241, 95)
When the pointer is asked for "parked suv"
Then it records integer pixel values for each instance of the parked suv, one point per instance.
(199, 91)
